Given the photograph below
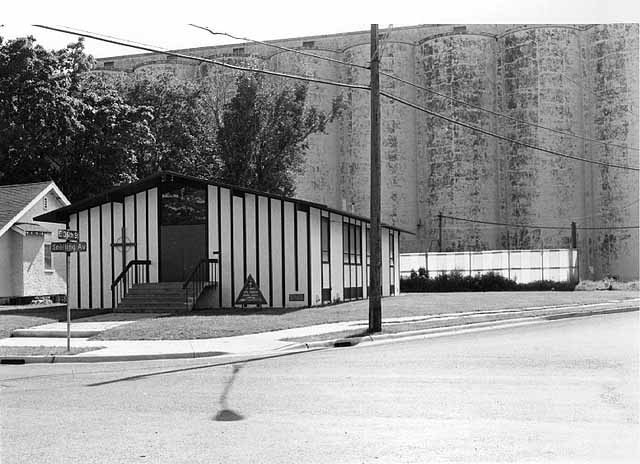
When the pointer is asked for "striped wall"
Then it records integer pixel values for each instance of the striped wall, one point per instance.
(275, 240)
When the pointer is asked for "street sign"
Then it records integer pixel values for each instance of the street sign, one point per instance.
(67, 234)
(250, 294)
(68, 247)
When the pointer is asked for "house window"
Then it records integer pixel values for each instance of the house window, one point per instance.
(352, 260)
(108, 64)
(45, 203)
(48, 257)
(238, 51)
(308, 44)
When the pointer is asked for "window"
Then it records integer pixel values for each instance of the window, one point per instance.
(48, 257)
(308, 44)
(108, 64)
(325, 239)
(45, 203)
(352, 260)
(238, 51)
(325, 258)
(392, 256)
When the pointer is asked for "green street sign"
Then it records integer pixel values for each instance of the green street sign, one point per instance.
(68, 247)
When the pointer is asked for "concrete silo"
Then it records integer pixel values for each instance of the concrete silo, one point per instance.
(457, 168)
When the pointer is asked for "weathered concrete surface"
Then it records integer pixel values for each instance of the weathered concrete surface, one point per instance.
(577, 79)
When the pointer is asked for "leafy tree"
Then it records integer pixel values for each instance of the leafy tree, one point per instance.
(183, 129)
(264, 134)
(58, 123)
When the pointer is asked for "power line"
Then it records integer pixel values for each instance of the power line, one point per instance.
(280, 47)
(209, 60)
(502, 115)
(426, 89)
(502, 137)
(525, 226)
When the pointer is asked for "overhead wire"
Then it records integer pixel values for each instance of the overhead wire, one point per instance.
(530, 226)
(339, 84)
(502, 137)
(385, 37)
(280, 47)
(209, 60)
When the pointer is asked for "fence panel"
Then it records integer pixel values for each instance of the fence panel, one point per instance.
(523, 266)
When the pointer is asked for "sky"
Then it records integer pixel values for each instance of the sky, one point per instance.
(165, 25)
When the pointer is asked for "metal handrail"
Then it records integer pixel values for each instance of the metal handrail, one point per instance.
(123, 281)
(203, 274)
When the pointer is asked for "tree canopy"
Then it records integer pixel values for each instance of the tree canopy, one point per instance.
(89, 131)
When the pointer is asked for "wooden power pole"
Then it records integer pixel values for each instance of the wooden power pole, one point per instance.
(375, 287)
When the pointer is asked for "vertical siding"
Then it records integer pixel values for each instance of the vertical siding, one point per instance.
(250, 235)
(225, 252)
(107, 276)
(95, 246)
(337, 282)
(365, 270)
(154, 241)
(117, 234)
(397, 261)
(315, 255)
(301, 286)
(212, 212)
(264, 245)
(384, 238)
(289, 253)
(238, 246)
(276, 253)
(83, 259)
(141, 225)
(73, 268)
(130, 229)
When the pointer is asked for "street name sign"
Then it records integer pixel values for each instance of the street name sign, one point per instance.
(67, 234)
(68, 247)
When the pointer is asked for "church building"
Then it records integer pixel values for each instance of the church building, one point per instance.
(174, 242)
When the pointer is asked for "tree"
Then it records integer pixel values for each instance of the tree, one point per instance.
(183, 129)
(264, 134)
(57, 122)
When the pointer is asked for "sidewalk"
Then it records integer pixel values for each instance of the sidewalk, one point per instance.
(301, 338)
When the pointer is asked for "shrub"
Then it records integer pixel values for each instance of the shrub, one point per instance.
(489, 282)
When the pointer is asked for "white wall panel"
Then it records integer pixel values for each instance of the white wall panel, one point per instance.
(384, 238)
(225, 252)
(250, 234)
(83, 257)
(289, 253)
(130, 230)
(238, 246)
(337, 283)
(94, 244)
(107, 277)
(316, 282)
(263, 245)
(154, 241)
(141, 224)
(276, 252)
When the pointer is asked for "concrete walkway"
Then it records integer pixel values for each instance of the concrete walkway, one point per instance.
(318, 336)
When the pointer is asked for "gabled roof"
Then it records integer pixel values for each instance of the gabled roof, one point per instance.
(17, 199)
(117, 194)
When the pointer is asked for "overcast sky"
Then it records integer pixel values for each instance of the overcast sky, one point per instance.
(164, 24)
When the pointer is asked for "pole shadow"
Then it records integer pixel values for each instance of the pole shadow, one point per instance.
(226, 414)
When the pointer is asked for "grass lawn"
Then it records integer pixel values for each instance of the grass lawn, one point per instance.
(230, 322)
(17, 351)
(23, 317)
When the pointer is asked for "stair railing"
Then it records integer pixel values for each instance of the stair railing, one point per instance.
(135, 272)
(204, 274)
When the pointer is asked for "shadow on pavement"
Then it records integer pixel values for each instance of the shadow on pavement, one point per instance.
(225, 414)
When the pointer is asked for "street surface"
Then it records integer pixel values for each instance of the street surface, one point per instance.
(561, 391)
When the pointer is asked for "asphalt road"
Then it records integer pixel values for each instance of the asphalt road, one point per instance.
(562, 391)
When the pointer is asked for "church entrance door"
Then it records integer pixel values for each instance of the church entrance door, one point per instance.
(183, 231)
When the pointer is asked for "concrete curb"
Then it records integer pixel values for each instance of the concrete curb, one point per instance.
(333, 343)
(32, 333)
(452, 329)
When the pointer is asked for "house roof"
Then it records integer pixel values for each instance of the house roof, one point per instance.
(17, 199)
(117, 194)
(29, 228)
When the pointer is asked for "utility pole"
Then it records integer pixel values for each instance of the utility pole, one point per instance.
(375, 287)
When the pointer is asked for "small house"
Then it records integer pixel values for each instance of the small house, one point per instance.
(28, 268)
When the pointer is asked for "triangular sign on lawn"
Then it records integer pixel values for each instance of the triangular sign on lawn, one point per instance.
(250, 293)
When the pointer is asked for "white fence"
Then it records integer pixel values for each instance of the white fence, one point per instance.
(523, 266)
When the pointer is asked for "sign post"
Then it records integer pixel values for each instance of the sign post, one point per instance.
(72, 245)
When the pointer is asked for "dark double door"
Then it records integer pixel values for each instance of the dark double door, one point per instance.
(183, 230)
(181, 247)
